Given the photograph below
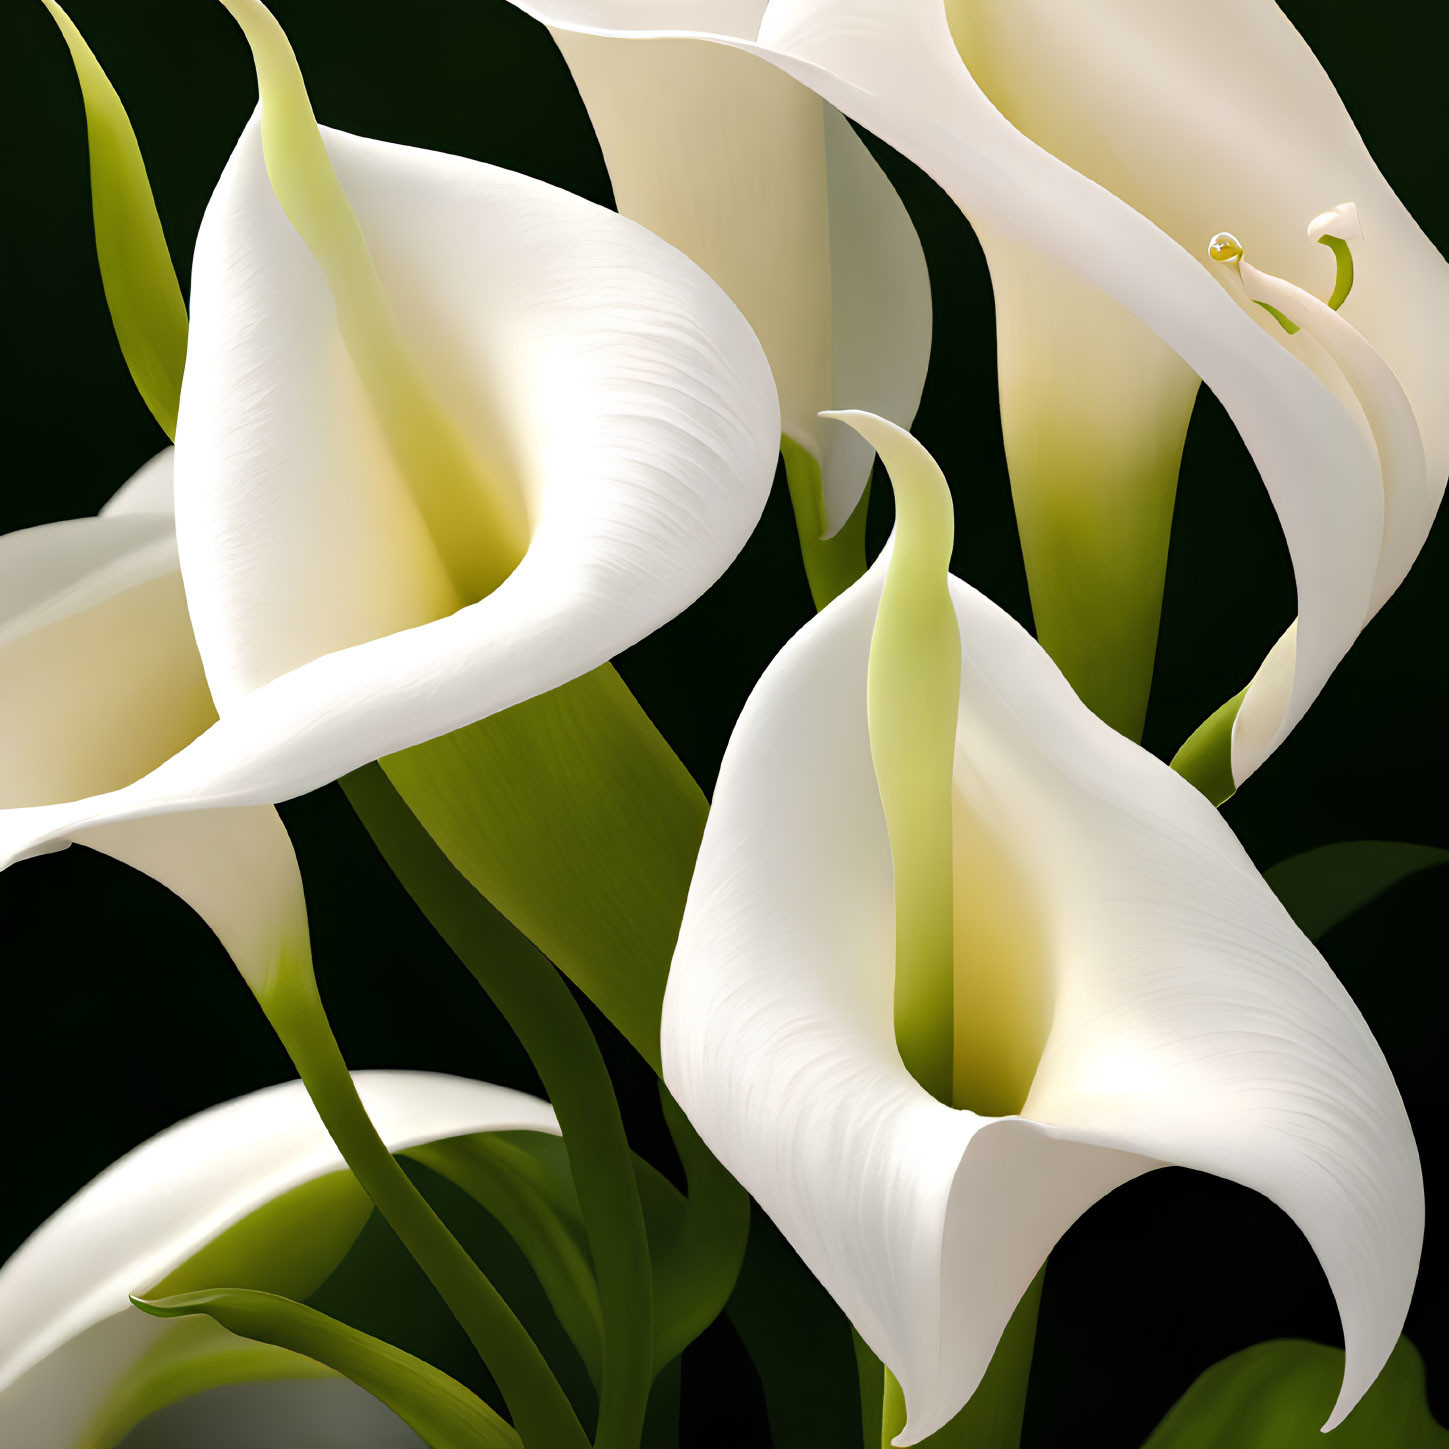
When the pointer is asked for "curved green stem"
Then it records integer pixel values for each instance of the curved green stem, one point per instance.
(1343, 275)
(540, 1409)
(553, 1031)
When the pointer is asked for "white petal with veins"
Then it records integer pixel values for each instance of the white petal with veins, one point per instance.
(1190, 1021)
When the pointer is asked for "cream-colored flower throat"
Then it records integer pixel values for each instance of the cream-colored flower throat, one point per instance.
(973, 967)
(473, 509)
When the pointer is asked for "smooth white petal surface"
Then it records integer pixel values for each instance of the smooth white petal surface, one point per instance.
(609, 378)
(1135, 96)
(67, 1330)
(894, 67)
(98, 667)
(773, 193)
(1190, 1021)
(880, 296)
(1192, 115)
(618, 382)
(1212, 118)
(149, 489)
(1370, 391)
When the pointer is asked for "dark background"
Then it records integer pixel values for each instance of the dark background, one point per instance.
(119, 1012)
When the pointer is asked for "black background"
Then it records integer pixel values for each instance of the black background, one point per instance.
(118, 1012)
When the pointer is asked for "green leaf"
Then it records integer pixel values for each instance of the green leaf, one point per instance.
(142, 292)
(435, 1406)
(1326, 885)
(1278, 1395)
(289, 1246)
(572, 816)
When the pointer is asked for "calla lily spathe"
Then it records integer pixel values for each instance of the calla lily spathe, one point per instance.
(598, 379)
(769, 189)
(1096, 154)
(1121, 971)
(102, 683)
(70, 1341)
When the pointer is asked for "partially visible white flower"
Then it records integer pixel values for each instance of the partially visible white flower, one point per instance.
(616, 412)
(769, 189)
(102, 683)
(1127, 993)
(76, 1357)
(1096, 151)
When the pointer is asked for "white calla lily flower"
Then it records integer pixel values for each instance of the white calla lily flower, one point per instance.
(607, 392)
(103, 682)
(1127, 991)
(1096, 155)
(771, 191)
(76, 1359)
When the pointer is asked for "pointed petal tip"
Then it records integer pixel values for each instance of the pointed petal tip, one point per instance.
(162, 1307)
(1341, 221)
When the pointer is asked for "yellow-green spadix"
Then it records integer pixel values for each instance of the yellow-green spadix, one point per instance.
(1128, 993)
(465, 440)
(80, 1368)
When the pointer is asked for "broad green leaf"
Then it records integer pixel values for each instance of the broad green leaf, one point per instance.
(572, 816)
(288, 1246)
(1278, 1395)
(1326, 885)
(435, 1406)
(142, 292)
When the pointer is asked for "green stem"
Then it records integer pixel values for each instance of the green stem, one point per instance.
(831, 564)
(554, 1032)
(993, 1415)
(540, 1410)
